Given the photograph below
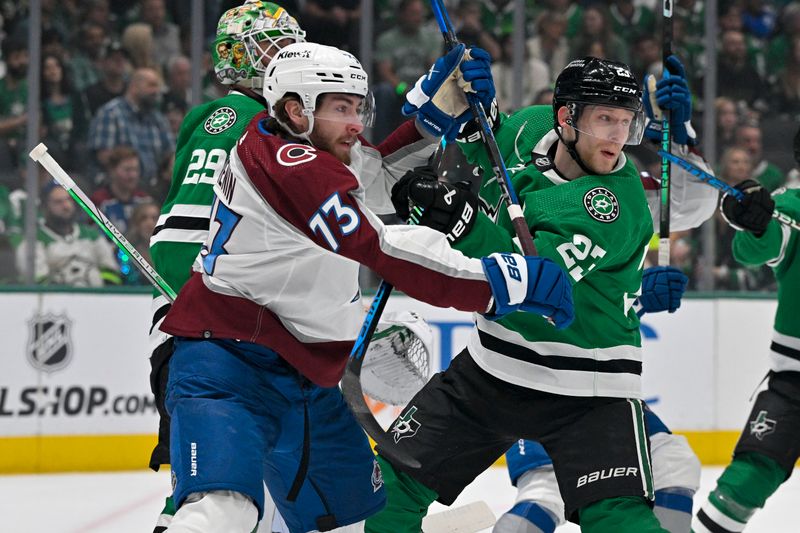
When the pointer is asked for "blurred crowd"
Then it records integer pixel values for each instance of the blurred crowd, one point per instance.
(116, 83)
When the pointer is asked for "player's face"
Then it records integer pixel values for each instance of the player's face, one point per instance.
(337, 124)
(605, 129)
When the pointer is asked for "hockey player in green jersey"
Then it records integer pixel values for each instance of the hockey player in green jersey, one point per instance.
(769, 445)
(576, 390)
(247, 38)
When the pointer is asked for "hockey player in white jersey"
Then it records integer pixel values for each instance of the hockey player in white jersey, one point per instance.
(262, 333)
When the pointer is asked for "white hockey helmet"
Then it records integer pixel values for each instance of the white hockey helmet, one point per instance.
(309, 70)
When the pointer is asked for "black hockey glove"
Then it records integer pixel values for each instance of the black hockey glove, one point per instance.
(753, 213)
(450, 209)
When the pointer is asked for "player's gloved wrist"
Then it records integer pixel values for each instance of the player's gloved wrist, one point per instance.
(532, 284)
(753, 213)
(471, 131)
(399, 198)
(662, 289)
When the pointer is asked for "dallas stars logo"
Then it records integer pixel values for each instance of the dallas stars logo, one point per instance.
(762, 426)
(220, 120)
(405, 426)
(601, 204)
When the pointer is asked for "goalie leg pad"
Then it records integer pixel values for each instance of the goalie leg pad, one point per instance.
(773, 427)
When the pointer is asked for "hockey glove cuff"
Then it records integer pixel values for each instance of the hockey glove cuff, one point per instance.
(531, 284)
(662, 289)
(753, 213)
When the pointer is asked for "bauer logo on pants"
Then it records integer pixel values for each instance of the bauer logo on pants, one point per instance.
(406, 426)
(762, 426)
(49, 344)
(601, 204)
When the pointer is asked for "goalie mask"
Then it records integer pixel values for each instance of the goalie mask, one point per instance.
(247, 36)
(309, 70)
(588, 87)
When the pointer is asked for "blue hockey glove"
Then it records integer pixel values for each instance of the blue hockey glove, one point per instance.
(438, 97)
(672, 93)
(662, 289)
(532, 284)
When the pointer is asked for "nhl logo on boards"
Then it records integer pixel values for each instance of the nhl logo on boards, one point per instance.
(49, 344)
(762, 426)
(220, 120)
(405, 426)
(601, 204)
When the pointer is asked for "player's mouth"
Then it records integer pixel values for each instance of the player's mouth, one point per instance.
(609, 154)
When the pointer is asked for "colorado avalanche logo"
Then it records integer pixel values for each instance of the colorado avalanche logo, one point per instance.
(377, 476)
(290, 155)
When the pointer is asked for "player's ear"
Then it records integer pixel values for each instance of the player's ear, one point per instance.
(564, 117)
(294, 110)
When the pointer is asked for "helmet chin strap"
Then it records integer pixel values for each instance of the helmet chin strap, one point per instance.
(572, 151)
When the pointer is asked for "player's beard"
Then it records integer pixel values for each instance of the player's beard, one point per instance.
(330, 146)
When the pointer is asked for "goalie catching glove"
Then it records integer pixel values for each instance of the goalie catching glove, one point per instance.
(753, 213)
(532, 284)
(438, 98)
(450, 209)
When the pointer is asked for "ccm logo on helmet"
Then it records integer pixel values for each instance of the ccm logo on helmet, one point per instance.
(357, 77)
(629, 90)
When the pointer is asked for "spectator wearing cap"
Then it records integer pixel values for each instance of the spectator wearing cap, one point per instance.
(86, 61)
(13, 100)
(134, 119)
(115, 68)
(66, 252)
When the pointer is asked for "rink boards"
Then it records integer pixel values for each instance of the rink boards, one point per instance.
(74, 390)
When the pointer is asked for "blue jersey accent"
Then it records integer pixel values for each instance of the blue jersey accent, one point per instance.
(227, 220)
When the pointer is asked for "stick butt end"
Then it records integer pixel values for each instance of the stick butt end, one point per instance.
(37, 153)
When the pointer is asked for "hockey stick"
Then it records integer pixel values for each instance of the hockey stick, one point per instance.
(468, 518)
(352, 388)
(487, 136)
(40, 155)
(663, 231)
(720, 185)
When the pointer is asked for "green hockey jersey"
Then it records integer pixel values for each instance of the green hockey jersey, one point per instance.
(779, 249)
(597, 228)
(205, 139)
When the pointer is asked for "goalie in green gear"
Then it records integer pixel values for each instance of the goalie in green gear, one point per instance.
(247, 37)
(576, 390)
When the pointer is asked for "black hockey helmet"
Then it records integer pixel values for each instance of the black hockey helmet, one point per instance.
(599, 82)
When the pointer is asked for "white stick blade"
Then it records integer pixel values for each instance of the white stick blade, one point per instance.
(470, 518)
(37, 153)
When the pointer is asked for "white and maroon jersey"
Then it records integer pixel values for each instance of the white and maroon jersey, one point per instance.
(280, 267)
(692, 201)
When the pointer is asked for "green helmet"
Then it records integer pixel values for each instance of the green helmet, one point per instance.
(247, 37)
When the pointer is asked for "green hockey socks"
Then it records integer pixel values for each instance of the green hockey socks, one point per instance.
(407, 503)
(741, 489)
(626, 514)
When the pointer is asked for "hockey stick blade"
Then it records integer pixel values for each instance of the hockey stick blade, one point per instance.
(469, 518)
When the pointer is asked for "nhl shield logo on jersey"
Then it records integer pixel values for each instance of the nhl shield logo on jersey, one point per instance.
(405, 426)
(762, 426)
(220, 120)
(49, 343)
(601, 204)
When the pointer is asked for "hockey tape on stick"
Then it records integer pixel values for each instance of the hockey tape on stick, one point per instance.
(720, 185)
(666, 171)
(487, 136)
(41, 156)
(470, 518)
